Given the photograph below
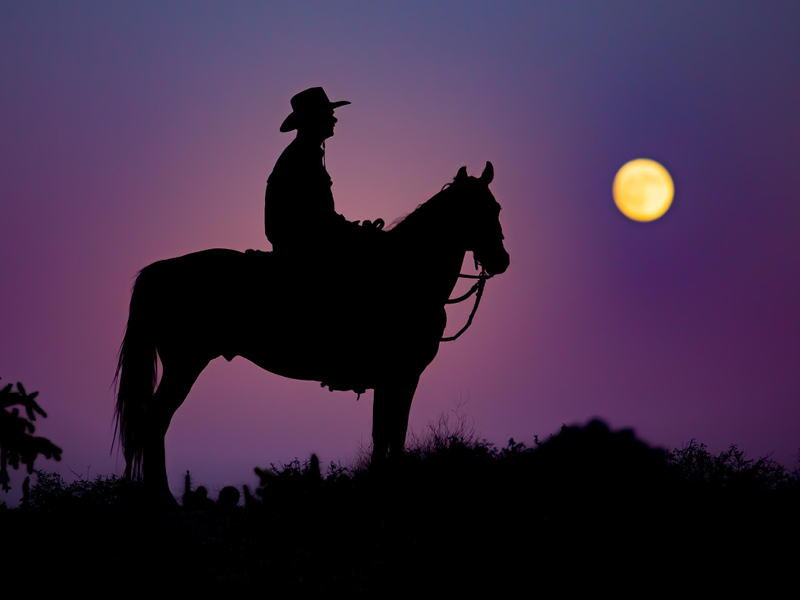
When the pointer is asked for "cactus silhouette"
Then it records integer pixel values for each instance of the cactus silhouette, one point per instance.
(187, 489)
(312, 469)
(228, 497)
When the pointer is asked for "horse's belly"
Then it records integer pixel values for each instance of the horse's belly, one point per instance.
(337, 366)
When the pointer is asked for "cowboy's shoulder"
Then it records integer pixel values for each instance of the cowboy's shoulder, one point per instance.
(298, 157)
(301, 150)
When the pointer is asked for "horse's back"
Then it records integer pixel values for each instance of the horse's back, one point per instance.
(194, 263)
(204, 296)
(216, 269)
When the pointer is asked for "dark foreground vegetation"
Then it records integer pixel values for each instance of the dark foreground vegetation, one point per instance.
(588, 508)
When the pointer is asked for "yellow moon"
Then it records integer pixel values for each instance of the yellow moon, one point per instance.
(643, 190)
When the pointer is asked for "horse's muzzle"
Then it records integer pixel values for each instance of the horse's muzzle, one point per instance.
(495, 264)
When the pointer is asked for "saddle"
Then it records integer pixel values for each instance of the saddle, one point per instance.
(335, 301)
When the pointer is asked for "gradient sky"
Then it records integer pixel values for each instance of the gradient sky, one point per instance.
(133, 132)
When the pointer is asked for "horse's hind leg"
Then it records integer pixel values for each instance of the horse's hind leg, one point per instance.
(177, 380)
(390, 411)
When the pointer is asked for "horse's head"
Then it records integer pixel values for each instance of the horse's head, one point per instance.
(480, 220)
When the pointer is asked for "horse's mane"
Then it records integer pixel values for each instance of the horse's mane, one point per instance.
(423, 210)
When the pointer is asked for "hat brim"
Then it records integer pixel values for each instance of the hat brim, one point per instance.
(290, 122)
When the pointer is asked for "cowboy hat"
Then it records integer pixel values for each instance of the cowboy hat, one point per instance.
(308, 102)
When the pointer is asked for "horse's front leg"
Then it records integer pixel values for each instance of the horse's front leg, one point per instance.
(390, 412)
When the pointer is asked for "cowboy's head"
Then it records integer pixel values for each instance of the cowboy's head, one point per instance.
(312, 114)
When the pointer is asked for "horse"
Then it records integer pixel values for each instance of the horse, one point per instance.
(189, 310)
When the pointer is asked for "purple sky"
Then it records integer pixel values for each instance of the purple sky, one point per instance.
(131, 133)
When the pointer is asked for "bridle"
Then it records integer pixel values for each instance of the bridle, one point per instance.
(476, 289)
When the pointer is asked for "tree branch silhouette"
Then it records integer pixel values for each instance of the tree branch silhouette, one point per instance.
(18, 445)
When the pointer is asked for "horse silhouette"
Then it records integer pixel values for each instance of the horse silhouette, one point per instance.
(376, 325)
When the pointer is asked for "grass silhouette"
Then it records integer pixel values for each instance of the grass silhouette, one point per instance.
(455, 513)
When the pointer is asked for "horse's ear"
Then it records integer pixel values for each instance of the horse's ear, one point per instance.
(488, 173)
(462, 173)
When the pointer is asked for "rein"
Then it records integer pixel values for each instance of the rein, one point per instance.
(476, 289)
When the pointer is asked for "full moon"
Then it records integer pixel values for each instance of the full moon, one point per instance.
(643, 190)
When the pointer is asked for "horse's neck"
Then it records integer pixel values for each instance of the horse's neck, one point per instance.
(438, 271)
(430, 243)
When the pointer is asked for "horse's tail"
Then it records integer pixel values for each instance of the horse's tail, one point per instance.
(137, 372)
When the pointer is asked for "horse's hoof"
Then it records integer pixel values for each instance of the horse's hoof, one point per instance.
(160, 501)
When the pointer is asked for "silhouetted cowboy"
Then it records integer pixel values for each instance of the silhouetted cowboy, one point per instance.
(299, 214)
